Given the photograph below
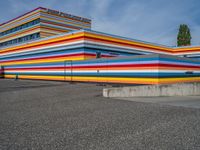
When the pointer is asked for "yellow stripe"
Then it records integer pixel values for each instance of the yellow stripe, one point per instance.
(51, 29)
(21, 34)
(65, 22)
(21, 18)
(45, 41)
(92, 35)
(176, 80)
(44, 60)
(36, 77)
(21, 23)
(197, 48)
(46, 34)
(110, 79)
(90, 79)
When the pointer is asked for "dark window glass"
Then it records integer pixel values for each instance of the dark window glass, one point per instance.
(21, 39)
(38, 35)
(98, 54)
(31, 37)
(28, 24)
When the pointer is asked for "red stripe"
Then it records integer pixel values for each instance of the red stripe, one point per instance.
(123, 43)
(49, 43)
(102, 66)
(112, 66)
(71, 55)
(183, 51)
(67, 55)
(137, 65)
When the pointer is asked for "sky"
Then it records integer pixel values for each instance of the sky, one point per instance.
(155, 21)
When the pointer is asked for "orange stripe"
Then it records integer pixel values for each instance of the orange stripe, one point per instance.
(43, 43)
(19, 19)
(23, 33)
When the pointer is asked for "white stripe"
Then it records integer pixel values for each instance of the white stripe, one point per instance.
(103, 71)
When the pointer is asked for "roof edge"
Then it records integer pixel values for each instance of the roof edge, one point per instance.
(22, 15)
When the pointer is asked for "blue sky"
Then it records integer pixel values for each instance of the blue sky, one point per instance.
(154, 21)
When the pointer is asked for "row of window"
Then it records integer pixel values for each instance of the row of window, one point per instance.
(21, 39)
(23, 26)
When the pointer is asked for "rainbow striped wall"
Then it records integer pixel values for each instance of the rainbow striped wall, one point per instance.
(49, 59)
(145, 69)
(49, 24)
(70, 46)
(91, 42)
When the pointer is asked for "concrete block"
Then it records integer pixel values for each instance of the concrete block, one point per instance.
(181, 89)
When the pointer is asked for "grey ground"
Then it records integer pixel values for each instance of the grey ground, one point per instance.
(184, 101)
(59, 115)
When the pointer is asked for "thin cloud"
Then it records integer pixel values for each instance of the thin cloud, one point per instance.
(153, 20)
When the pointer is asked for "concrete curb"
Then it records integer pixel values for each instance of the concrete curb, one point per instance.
(182, 89)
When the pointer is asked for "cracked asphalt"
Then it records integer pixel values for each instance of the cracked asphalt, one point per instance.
(46, 115)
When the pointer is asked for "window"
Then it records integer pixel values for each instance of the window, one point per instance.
(37, 35)
(26, 25)
(31, 37)
(21, 39)
(98, 54)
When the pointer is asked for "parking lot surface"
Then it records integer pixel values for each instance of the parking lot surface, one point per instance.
(59, 115)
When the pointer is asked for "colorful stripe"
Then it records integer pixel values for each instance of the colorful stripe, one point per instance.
(148, 69)
(72, 57)
(50, 24)
(92, 39)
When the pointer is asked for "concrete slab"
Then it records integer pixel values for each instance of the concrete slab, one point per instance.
(180, 89)
(184, 101)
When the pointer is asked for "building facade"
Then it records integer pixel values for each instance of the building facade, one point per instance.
(90, 56)
(39, 23)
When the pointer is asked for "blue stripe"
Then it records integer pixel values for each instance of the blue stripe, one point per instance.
(110, 74)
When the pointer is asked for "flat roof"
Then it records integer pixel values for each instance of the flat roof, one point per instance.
(43, 8)
(22, 15)
(105, 34)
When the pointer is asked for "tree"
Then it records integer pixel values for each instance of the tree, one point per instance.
(184, 37)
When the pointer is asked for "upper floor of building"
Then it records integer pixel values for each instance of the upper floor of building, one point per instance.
(39, 23)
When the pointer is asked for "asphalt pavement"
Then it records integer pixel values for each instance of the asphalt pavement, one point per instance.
(184, 101)
(51, 115)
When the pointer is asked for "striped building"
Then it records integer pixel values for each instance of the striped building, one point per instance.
(39, 23)
(90, 56)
